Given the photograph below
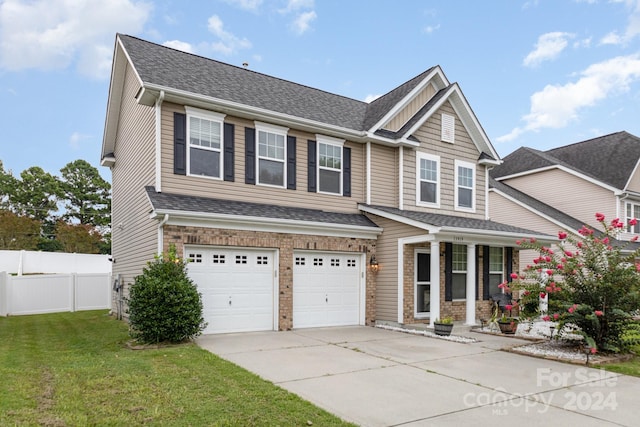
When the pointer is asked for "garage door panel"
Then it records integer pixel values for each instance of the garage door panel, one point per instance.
(326, 289)
(237, 287)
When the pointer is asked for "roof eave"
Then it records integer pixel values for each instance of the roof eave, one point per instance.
(180, 217)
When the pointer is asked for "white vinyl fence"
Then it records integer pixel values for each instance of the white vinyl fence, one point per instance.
(53, 293)
(35, 262)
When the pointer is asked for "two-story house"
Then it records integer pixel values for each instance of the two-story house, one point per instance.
(297, 207)
(563, 188)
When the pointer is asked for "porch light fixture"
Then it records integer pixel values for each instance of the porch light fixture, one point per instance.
(373, 263)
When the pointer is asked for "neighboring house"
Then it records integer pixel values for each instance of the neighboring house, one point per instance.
(297, 207)
(563, 188)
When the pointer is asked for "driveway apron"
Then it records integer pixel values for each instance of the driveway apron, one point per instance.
(376, 377)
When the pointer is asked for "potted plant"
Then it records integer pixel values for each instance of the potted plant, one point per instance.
(508, 325)
(443, 326)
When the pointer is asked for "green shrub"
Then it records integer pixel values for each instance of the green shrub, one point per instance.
(164, 304)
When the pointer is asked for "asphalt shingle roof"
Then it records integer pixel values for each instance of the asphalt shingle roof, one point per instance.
(178, 202)
(164, 66)
(440, 220)
(610, 159)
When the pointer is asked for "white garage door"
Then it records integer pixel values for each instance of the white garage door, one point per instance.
(237, 287)
(326, 289)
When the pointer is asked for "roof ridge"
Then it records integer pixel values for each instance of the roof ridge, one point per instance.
(586, 140)
(244, 69)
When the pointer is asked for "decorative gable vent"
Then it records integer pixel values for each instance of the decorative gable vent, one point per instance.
(448, 127)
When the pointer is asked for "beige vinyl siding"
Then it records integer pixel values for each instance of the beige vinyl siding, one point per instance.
(634, 182)
(239, 191)
(134, 235)
(411, 109)
(384, 175)
(463, 149)
(566, 192)
(507, 212)
(387, 256)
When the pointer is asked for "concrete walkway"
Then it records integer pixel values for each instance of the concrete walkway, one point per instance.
(375, 377)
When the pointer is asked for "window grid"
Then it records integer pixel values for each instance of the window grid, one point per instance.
(317, 262)
(428, 188)
(459, 258)
(633, 211)
(262, 260)
(335, 262)
(241, 259)
(195, 258)
(329, 168)
(301, 260)
(351, 263)
(465, 185)
(218, 259)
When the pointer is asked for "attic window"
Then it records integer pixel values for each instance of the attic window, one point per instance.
(448, 128)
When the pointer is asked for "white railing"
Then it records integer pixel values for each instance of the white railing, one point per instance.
(54, 293)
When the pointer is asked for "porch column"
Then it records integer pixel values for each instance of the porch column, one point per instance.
(471, 285)
(434, 310)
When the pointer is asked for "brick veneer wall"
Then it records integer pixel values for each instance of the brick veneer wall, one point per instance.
(286, 244)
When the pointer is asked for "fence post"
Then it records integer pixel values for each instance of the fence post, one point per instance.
(4, 278)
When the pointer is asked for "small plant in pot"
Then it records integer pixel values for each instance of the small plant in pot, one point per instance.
(508, 325)
(443, 326)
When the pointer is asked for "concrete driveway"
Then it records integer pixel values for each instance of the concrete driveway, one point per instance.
(376, 377)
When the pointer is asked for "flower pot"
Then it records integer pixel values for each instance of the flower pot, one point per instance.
(508, 327)
(442, 329)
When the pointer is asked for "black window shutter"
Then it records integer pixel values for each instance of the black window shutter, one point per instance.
(509, 257)
(312, 166)
(291, 162)
(448, 271)
(477, 272)
(346, 172)
(485, 272)
(179, 143)
(229, 152)
(249, 156)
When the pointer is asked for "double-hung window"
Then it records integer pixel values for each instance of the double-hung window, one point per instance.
(272, 154)
(496, 269)
(204, 136)
(632, 211)
(459, 272)
(428, 180)
(329, 164)
(465, 186)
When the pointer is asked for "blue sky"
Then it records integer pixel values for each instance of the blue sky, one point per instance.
(537, 73)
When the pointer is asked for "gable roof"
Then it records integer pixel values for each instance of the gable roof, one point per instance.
(565, 221)
(187, 78)
(610, 159)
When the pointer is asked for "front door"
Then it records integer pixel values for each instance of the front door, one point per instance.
(422, 283)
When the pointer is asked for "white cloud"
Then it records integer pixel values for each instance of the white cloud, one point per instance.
(302, 23)
(556, 106)
(180, 45)
(633, 25)
(371, 98)
(228, 43)
(76, 138)
(431, 28)
(250, 5)
(548, 47)
(54, 34)
(294, 5)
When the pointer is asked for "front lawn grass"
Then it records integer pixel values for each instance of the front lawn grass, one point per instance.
(629, 367)
(72, 369)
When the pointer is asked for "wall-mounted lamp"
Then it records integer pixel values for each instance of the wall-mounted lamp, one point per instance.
(373, 263)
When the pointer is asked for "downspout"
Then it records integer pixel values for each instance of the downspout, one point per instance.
(401, 178)
(161, 233)
(368, 172)
(486, 192)
(159, 141)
